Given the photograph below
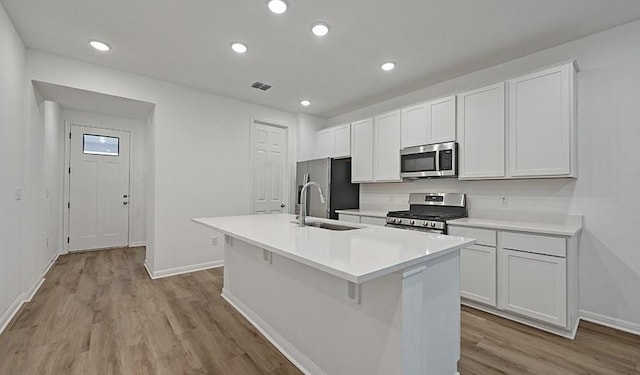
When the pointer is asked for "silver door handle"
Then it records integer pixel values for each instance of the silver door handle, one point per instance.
(282, 205)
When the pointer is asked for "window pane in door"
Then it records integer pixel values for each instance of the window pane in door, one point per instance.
(100, 145)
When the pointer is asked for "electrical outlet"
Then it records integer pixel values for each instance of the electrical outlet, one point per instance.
(18, 193)
(47, 242)
(214, 241)
(504, 201)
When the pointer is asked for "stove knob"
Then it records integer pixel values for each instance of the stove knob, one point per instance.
(425, 223)
(412, 222)
(433, 224)
(394, 220)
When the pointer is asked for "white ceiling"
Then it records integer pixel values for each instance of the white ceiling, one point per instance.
(89, 101)
(431, 40)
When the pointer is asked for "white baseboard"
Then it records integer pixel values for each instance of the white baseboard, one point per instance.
(180, 270)
(138, 243)
(52, 261)
(301, 361)
(615, 323)
(17, 304)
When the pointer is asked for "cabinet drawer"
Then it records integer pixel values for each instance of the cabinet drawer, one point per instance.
(532, 243)
(349, 218)
(373, 220)
(484, 237)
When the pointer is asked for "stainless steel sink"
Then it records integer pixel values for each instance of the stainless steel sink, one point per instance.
(328, 226)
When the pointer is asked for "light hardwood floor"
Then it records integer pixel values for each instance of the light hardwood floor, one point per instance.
(99, 313)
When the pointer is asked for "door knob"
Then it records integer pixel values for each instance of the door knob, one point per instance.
(125, 196)
(125, 203)
(282, 205)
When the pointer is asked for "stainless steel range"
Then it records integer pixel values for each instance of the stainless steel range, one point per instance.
(429, 212)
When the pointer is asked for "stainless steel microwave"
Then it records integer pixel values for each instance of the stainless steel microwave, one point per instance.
(436, 160)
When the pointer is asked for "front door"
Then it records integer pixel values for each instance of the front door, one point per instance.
(98, 188)
(269, 153)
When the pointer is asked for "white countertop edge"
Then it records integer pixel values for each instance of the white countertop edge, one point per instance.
(367, 213)
(568, 230)
(358, 279)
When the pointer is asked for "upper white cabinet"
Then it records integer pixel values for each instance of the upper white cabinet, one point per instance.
(375, 149)
(414, 125)
(334, 142)
(362, 151)
(325, 143)
(541, 123)
(431, 122)
(531, 134)
(342, 141)
(387, 147)
(481, 133)
(441, 120)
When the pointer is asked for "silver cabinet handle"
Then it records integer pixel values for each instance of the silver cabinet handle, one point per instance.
(282, 205)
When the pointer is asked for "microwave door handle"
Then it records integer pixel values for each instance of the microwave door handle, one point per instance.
(437, 160)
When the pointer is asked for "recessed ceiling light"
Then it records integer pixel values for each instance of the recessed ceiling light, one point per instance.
(277, 6)
(239, 47)
(320, 29)
(305, 103)
(389, 65)
(100, 46)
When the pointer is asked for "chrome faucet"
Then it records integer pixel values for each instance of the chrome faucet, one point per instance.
(303, 201)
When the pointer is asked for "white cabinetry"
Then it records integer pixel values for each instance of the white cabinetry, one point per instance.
(334, 142)
(528, 277)
(387, 147)
(534, 285)
(478, 265)
(414, 125)
(431, 122)
(342, 141)
(481, 133)
(375, 149)
(441, 120)
(362, 151)
(540, 126)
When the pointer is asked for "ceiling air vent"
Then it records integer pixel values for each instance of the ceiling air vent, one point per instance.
(261, 86)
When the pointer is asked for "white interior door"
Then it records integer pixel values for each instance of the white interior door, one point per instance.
(269, 151)
(98, 188)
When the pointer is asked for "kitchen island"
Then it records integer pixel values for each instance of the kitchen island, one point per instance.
(370, 300)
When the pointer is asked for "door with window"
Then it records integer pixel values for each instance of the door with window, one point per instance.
(98, 188)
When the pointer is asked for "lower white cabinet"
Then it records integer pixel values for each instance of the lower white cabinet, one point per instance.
(478, 274)
(534, 285)
(528, 277)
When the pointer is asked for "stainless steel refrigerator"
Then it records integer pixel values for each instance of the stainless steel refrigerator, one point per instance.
(334, 177)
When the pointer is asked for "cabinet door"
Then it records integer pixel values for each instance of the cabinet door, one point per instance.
(481, 133)
(534, 285)
(441, 120)
(414, 126)
(387, 147)
(540, 123)
(342, 141)
(362, 151)
(478, 274)
(325, 143)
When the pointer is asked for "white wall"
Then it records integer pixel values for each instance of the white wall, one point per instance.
(307, 127)
(199, 154)
(53, 175)
(606, 192)
(12, 93)
(138, 131)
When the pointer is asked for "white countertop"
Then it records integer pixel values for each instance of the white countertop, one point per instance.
(354, 255)
(566, 226)
(369, 213)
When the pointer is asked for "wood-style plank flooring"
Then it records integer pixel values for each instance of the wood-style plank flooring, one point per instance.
(99, 313)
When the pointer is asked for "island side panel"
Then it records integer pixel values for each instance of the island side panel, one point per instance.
(307, 314)
(431, 317)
